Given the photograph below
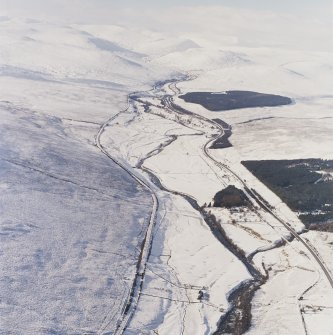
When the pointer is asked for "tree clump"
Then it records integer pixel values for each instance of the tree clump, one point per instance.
(230, 197)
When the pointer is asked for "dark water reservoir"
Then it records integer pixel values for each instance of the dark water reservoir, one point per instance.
(230, 100)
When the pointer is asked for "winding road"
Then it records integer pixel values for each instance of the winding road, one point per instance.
(133, 298)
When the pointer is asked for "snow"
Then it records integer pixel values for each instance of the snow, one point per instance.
(72, 221)
(182, 262)
(303, 288)
(308, 122)
(68, 251)
(188, 247)
(189, 172)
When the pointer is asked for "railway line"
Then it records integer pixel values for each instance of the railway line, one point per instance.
(263, 205)
(311, 249)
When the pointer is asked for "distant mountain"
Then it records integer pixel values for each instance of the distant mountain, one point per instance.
(109, 46)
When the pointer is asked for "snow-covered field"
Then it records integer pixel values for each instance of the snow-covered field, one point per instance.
(73, 221)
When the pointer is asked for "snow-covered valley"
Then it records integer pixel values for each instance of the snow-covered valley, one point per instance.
(107, 216)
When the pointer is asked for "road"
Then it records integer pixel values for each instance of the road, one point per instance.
(132, 299)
